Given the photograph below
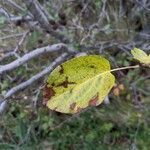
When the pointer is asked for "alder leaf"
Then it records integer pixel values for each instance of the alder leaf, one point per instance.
(141, 56)
(78, 83)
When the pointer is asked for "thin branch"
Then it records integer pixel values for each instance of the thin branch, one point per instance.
(37, 76)
(141, 4)
(4, 56)
(19, 18)
(12, 36)
(32, 54)
(23, 85)
(45, 11)
(3, 106)
(36, 10)
(4, 12)
(21, 41)
(14, 5)
(9, 17)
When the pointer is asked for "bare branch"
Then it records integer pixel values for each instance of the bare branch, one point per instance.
(143, 5)
(37, 76)
(14, 19)
(3, 106)
(32, 54)
(12, 36)
(14, 5)
(36, 9)
(4, 56)
(21, 41)
(4, 12)
(23, 85)
(44, 11)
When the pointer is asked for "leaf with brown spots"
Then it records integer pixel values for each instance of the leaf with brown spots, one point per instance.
(65, 83)
(72, 106)
(93, 101)
(47, 94)
(78, 83)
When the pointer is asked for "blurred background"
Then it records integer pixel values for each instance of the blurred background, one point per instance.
(110, 28)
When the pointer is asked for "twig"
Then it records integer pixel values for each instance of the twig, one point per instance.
(23, 85)
(32, 54)
(20, 18)
(4, 12)
(14, 5)
(3, 106)
(36, 10)
(11, 18)
(21, 41)
(37, 76)
(140, 3)
(12, 36)
(45, 11)
(4, 56)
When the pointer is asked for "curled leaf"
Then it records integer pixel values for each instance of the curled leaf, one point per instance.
(78, 83)
(141, 56)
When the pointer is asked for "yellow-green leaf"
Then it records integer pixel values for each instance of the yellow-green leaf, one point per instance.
(78, 83)
(141, 56)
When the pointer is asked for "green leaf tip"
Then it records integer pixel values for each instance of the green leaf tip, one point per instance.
(141, 56)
